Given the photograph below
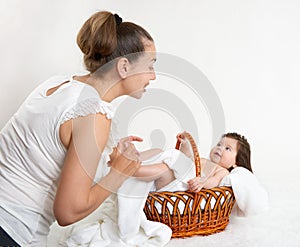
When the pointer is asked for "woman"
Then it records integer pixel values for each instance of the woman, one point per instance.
(50, 149)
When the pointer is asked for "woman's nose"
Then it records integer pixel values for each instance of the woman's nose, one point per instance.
(153, 75)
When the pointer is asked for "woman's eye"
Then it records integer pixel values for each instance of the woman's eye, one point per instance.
(228, 148)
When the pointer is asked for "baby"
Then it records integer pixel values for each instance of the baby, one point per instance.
(231, 151)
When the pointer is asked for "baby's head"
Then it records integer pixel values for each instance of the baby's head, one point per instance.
(231, 151)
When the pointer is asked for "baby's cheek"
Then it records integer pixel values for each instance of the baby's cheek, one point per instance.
(228, 162)
(211, 154)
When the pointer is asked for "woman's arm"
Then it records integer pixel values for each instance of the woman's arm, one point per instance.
(76, 195)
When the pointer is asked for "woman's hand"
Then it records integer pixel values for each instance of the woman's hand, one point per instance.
(124, 160)
(126, 141)
(122, 146)
(127, 161)
(123, 165)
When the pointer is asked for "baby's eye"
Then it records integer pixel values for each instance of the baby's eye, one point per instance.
(228, 148)
(219, 144)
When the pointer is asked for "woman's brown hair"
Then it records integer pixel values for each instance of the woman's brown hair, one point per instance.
(243, 157)
(104, 37)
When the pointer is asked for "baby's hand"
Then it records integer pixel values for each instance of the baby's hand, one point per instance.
(185, 146)
(181, 137)
(195, 184)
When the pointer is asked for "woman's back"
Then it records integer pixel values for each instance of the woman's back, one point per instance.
(32, 155)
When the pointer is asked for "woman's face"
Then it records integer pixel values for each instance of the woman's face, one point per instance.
(141, 72)
(224, 153)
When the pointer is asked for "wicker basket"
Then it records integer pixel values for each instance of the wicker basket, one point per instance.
(189, 213)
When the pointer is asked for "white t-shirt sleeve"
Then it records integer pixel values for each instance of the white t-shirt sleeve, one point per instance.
(87, 107)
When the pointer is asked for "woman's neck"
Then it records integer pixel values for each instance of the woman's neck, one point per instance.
(107, 88)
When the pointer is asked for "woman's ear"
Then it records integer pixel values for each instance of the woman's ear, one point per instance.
(123, 67)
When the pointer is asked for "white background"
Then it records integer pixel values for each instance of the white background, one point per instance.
(249, 51)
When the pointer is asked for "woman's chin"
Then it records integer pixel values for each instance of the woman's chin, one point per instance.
(138, 94)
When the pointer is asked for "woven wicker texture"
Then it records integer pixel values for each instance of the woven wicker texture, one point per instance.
(189, 213)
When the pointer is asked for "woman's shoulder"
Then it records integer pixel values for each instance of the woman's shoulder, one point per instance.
(86, 102)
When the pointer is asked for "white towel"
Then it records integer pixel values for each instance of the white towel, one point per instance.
(184, 170)
(134, 228)
(251, 197)
(121, 221)
(98, 229)
(103, 228)
(182, 166)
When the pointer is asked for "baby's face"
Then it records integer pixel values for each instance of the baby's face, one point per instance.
(224, 153)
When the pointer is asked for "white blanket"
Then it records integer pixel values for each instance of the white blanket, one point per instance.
(251, 197)
(134, 228)
(120, 221)
(105, 231)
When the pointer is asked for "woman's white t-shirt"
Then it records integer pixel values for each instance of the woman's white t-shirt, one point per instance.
(32, 156)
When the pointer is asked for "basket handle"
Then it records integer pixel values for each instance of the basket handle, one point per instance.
(195, 152)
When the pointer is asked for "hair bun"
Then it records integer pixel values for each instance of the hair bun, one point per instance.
(118, 19)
